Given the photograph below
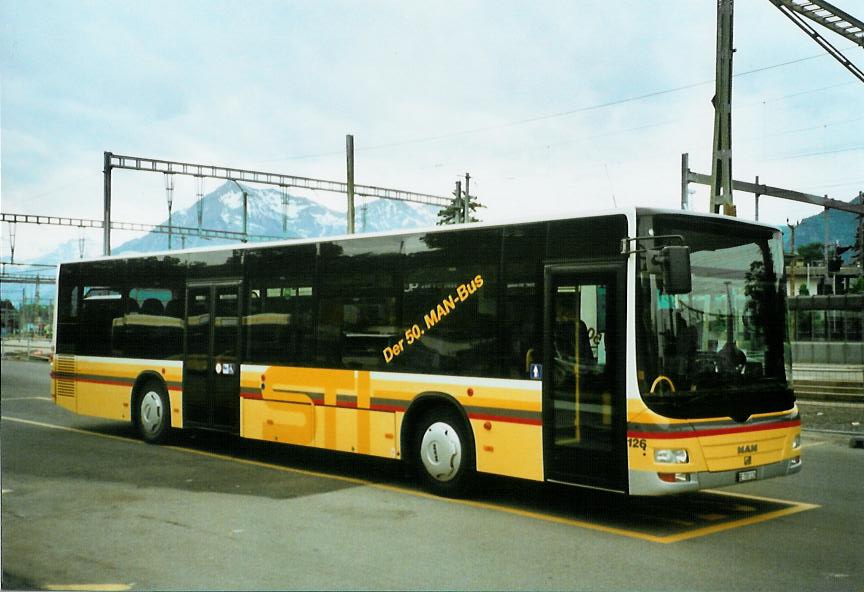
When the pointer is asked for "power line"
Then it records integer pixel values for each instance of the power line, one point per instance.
(808, 154)
(759, 102)
(833, 185)
(560, 114)
(814, 127)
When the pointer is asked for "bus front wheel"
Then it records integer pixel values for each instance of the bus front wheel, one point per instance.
(153, 413)
(443, 452)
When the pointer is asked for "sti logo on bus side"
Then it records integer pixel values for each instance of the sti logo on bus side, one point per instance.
(748, 448)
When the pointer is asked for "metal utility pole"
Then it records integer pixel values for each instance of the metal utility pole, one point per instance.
(466, 210)
(349, 155)
(169, 195)
(12, 242)
(244, 237)
(721, 164)
(199, 194)
(825, 256)
(284, 192)
(245, 217)
(458, 193)
(22, 318)
(792, 228)
(860, 236)
(106, 216)
(685, 181)
(757, 198)
(36, 298)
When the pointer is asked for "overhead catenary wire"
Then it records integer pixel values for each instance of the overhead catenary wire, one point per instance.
(549, 116)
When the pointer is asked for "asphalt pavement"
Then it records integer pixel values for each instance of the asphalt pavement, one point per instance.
(826, 416)
(87, 505)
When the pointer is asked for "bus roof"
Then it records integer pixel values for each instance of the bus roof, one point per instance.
(630, 212)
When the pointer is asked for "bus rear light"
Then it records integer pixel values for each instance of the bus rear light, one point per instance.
(677, 456)
(674, 477)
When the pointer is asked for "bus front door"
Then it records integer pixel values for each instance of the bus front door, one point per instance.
(583, 396)
(211, 369)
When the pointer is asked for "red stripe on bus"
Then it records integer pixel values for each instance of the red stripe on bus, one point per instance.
(387, 408)
(108, 382)
(251, 395)
(713, 432)
(101, 381)
(522, 420)
(481, 416)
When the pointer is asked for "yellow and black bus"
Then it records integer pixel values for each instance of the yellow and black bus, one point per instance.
(639, 351)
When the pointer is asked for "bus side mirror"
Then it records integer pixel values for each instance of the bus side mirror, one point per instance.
(674, 264)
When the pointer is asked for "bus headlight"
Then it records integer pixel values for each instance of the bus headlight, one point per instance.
(677, 456)
(796, 442)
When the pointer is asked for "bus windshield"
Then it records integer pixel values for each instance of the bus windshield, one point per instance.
(720, 350)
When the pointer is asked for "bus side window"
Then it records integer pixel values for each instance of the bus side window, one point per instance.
(521, 339)
(280, 325)
(101, 309)
(358, 307)
(152, 326)
(521, 335)
(68, 306)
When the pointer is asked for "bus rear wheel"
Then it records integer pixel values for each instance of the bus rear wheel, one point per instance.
(153, 413)
(443, 453)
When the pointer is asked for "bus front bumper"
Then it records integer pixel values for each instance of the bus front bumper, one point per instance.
(650, 483)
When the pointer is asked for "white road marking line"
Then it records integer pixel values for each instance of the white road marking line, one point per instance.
(97, 587)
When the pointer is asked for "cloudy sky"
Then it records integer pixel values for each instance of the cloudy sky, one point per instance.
(553, 107)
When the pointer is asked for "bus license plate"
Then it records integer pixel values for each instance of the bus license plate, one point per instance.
(747, 476)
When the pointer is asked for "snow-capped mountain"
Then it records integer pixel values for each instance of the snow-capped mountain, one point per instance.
(222, 209)
(69, 250)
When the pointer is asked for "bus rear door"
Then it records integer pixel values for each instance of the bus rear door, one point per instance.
(211, 370)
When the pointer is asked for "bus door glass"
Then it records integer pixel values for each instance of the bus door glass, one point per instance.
(584, 400)
(211, 381)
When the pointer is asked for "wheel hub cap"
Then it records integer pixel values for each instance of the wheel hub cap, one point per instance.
(151, 412)
(441, 451)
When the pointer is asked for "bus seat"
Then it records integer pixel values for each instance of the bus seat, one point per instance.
(152, 306)
(173, 309)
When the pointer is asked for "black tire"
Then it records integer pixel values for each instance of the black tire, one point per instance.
(443, 452)
(153, 413)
